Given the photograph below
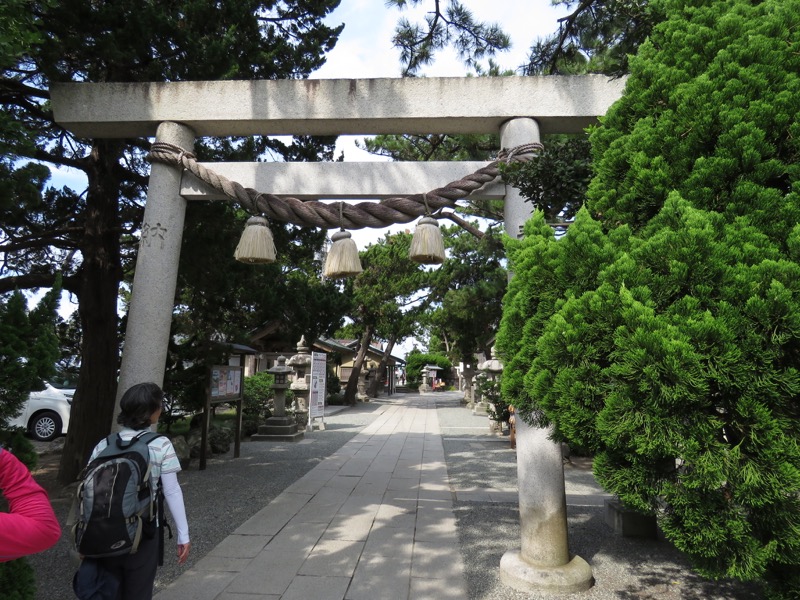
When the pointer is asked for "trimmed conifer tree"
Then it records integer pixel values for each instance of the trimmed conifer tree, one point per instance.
(28, 348)
(678, 367)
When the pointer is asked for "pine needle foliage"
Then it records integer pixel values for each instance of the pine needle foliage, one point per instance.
(663, 331)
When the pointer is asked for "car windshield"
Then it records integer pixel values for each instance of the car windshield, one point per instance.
(64, 381)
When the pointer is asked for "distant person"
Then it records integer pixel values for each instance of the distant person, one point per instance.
(30, 526)
(512, 426)
(140, 408)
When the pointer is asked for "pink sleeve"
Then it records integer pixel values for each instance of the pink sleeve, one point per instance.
(30, 525)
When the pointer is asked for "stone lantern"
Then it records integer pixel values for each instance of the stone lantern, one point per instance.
(490, 370)
(279, 427)
(301, 363)
(361, 394)
(476, 393)
(424, 386)
(493, 366)
(428, 377)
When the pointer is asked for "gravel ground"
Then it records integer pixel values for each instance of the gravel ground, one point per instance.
(623, 568)
(231, 490)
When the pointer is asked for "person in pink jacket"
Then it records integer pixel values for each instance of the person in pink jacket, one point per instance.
(30, 526)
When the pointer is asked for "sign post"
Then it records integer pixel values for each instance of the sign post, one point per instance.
(316, 399)
(224, 385)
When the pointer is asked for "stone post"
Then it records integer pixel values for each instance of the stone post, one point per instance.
(476, 394)
(543, 562)
(144, 352)
(301, 363)
(361, 394)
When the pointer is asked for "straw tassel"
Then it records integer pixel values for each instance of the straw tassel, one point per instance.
(342, 260)
(256, 244)
(427, 245)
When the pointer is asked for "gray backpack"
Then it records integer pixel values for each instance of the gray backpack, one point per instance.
(116, 505)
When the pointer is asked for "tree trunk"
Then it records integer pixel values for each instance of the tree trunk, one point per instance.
(446, 343)
(352, 383)
(100, 276)
(373, 385)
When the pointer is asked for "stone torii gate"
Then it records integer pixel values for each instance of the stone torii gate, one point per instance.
(518, 108)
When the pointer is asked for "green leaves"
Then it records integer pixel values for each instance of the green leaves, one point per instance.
(598, 36)
(663, 333)
(555, 181)
(737, 61)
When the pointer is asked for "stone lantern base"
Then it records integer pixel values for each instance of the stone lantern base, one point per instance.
(480, 408)
(278, 429)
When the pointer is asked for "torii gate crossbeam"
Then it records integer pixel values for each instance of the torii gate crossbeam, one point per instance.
(560, 104)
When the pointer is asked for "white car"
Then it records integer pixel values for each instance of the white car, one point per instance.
(45, 415)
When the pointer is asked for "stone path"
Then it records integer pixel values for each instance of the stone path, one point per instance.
(373, 521)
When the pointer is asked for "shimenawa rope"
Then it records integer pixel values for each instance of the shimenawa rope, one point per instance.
(313, 213)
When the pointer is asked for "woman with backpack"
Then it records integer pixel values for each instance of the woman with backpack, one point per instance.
(136, 571)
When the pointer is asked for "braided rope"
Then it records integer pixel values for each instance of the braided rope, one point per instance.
(313, 213)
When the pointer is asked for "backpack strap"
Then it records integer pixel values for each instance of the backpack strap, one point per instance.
(163, 524)
(145, 436)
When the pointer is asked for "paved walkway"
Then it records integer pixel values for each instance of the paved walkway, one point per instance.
(373, 521)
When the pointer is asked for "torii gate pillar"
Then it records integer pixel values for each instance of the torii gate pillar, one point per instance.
(153, 291)
(513, 133)
(543, 562)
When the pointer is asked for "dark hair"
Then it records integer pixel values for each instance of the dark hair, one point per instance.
(138, 404)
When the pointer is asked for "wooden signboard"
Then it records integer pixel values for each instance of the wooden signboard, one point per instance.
(225, 385)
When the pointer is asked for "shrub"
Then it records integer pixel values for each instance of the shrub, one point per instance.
(17, 580)
(256, 394)
(416, 361)
(662, 332)
(332, 383)
(335, 399)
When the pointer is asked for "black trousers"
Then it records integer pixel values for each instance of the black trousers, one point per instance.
(135, 572)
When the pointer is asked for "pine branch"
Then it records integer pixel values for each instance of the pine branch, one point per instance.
(46, 240)
(568, 23)
(18, 88)
(38, 280)
(463, 224)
